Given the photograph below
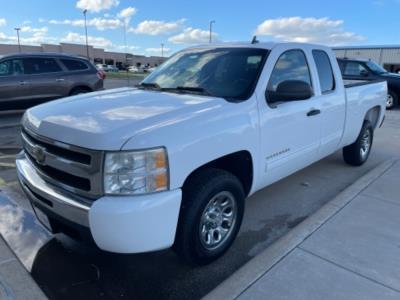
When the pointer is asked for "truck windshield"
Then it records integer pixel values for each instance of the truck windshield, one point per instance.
(230, 73)
(374, 67)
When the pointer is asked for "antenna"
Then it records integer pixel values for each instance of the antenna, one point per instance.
(254, 40)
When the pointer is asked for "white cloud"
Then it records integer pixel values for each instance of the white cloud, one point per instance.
(308, 30)
(151, 27)
(99, 23)
(96, 5)
(26, 22)
(35, 39)
(127, 13)
(157, 51)
(41, 20)
(3, 22)
(73, 37)
(34, 30)
(193, 36)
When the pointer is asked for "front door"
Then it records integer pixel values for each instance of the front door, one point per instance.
(290, 130)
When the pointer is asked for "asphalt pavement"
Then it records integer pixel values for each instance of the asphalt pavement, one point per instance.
(69, 270)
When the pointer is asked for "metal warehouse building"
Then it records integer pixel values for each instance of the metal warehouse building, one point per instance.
(386, 56)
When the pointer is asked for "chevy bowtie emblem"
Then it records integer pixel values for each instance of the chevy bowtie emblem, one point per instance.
(39, 154)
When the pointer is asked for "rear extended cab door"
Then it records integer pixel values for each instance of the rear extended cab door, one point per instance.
(290, 131)
(330, 95)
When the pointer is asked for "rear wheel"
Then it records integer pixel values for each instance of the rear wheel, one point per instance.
(391, 100)
(357, 153)
(211, 215)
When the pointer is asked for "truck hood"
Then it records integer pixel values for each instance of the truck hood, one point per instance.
(106, 120)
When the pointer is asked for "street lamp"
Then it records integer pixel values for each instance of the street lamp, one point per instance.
(211, 23)
(87, 44)
(19, 44)
(162, 50)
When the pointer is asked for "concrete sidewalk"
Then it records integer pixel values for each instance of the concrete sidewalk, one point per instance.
(349, 249)
(15, 282)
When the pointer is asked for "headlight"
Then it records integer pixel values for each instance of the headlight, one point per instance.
(136, 172)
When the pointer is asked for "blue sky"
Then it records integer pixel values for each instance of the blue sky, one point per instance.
(180, 23)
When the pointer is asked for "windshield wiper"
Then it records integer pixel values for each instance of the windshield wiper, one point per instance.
(194, 89)
(151, 85)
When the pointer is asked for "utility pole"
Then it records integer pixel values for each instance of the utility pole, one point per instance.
(17, 29)
(211, 24)
(126, 54)
(162, 50)
(87, 43)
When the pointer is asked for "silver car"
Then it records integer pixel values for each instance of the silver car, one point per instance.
(27, 79)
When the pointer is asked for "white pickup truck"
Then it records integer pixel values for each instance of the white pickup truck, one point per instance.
(170, 163)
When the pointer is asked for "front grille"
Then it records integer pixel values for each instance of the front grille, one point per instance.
(72, 168)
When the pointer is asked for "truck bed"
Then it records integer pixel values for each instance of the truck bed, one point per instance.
(361, 96)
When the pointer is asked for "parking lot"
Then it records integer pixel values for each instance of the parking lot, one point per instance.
(65, 269)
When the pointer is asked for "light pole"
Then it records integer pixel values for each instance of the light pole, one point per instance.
(162, 50)
(87, 44)
(19, 44)
(126, 54)
(211, 23)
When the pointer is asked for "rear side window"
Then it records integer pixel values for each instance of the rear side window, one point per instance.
(325, 72)
(74, 64)
(39, 65)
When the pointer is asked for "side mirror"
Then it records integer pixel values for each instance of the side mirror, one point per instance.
(292, 90)
(364, 73)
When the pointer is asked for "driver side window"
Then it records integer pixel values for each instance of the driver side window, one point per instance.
(291, 65)
(354, 69)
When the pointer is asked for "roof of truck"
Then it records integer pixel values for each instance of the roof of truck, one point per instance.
(258, 45)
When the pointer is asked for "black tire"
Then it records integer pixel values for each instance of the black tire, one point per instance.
(355, 153)
(78, 91)
(197, 195)
(394, 101)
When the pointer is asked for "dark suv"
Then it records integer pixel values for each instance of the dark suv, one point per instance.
(358, 69)
(28, 79)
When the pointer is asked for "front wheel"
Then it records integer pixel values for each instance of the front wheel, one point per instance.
(211, 215)
(357, 153)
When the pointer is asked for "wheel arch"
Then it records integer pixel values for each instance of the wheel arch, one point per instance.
(80, 87)
(238, 163)
(373, 115)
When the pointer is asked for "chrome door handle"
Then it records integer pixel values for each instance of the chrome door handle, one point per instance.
(60, 79)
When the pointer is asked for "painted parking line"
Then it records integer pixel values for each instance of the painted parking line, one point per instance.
(7, 156)
(7, 165)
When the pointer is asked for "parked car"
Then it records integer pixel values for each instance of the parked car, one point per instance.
(39, 77)
(359, 69)
(111, 68)
(134, 69)
(170, 163)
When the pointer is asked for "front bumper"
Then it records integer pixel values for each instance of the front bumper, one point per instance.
(121, 224)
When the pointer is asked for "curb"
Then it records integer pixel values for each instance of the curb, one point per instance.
(247, 275)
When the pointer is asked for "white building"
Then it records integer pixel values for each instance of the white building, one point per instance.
(96, 55)
(386, 56)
